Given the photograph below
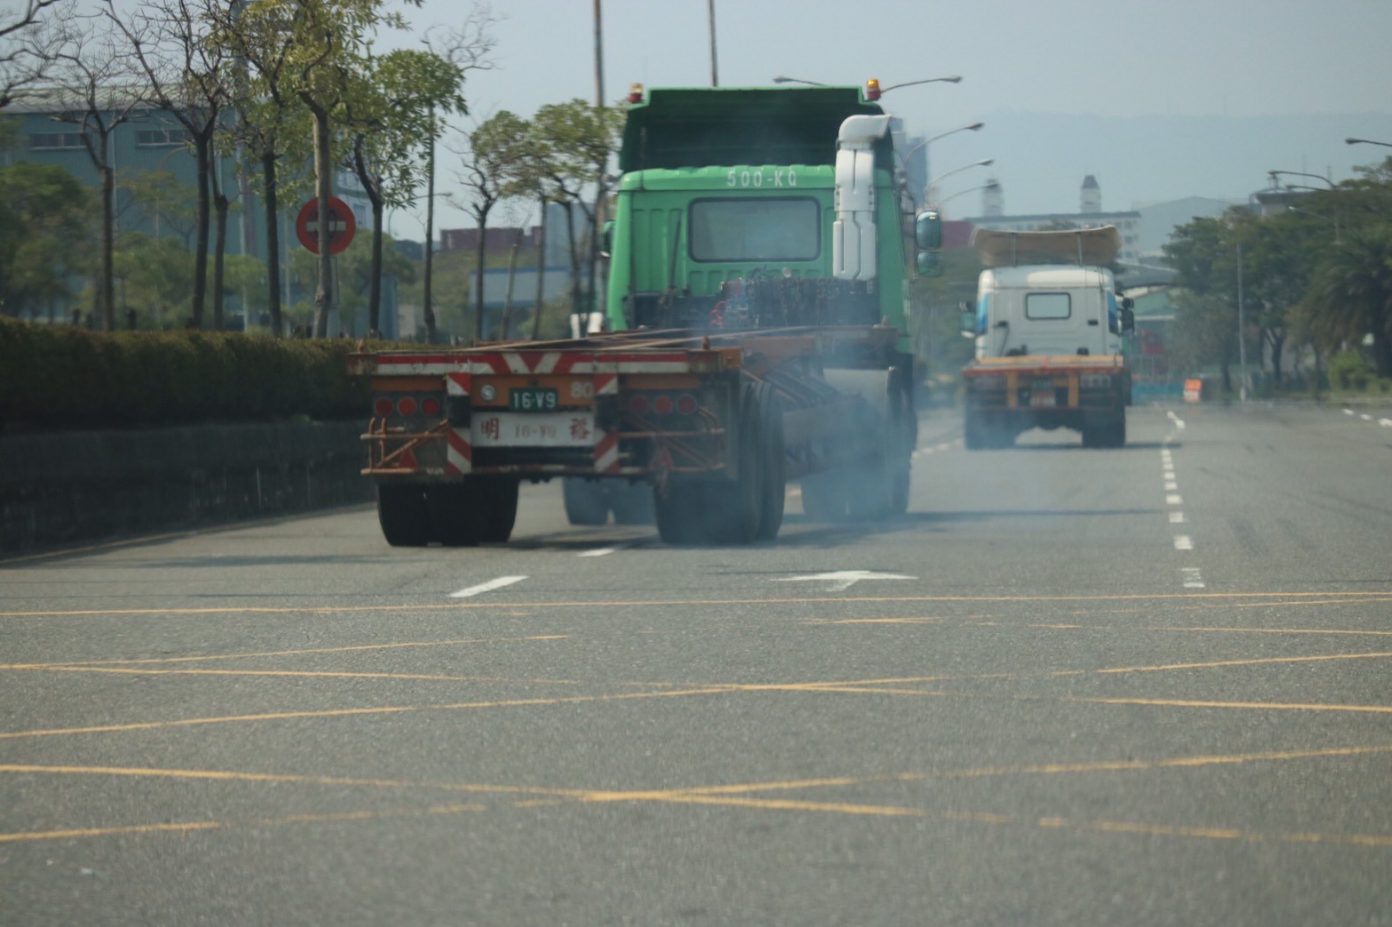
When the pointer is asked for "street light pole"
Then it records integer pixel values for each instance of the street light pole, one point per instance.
(928, 189)
(1273, 174)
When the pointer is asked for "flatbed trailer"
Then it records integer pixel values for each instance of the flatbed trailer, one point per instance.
(1009, 395)
(716, 423)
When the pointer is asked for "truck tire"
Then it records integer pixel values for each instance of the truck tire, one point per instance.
(402, 513)
(1111, 434)
(904, 430)
(775, 483)
(632, 503)
(680, 512)
(973, 431)
(734, 507)
(498, 509)
(585, 503)
(456, 513)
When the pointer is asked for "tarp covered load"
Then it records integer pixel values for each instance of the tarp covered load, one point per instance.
(1001, 248)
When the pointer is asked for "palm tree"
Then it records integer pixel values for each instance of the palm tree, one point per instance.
(1353, 292)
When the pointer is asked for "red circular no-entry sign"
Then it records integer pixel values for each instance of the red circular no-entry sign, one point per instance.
(342, 225)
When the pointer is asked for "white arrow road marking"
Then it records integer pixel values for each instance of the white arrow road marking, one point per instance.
(843, 579)
(489, 586)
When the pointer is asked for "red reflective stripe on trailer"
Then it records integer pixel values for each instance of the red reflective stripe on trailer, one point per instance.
(458, 384)
(606, 384)
(606, 453)
(459, 453)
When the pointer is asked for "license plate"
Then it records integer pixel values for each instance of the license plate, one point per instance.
(532, 429)
(1042, 400)
(531, 399)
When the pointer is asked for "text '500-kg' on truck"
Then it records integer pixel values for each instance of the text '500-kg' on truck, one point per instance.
(1048, 325)
(756, 335)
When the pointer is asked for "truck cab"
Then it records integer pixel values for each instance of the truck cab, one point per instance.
(1047, 309)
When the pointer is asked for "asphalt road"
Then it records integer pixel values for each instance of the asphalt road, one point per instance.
(1137, 686)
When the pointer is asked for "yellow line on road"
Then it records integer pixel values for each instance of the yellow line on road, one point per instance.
(294, 674)
(69, 833)
(1252, 706)
(350, 648)
(1223, 597)
(348, 712)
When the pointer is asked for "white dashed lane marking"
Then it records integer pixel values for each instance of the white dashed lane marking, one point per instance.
(598, 552)
(1190, 577)
(489, 586)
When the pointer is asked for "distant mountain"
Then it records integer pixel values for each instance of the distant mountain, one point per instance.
(1042, 158)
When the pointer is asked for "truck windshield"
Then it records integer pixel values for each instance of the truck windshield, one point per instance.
(783, 229)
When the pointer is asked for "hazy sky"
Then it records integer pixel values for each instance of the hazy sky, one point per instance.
(1018, 59)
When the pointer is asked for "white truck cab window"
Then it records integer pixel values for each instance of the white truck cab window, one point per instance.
(1047, 306)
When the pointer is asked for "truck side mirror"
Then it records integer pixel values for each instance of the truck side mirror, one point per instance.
(928, 230)
(606, 240)
(928, 264)
(1128, 319)
(968, 319)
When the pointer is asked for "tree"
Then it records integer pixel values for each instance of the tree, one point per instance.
(1353, 292)
(392, 107)
(267, 109)
(155, 275)
(97, 88)
(325, 45)
(45, 215)
(163, 201)
(30, 38)
(572, 139)
(497, 147)
(188, 76)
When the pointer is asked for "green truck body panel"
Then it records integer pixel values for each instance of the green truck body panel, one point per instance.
(766, 158)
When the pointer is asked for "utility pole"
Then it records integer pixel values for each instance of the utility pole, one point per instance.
(1241, 330)
(598, 54)
(715, 74)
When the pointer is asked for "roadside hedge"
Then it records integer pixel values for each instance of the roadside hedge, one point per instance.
(55, 377)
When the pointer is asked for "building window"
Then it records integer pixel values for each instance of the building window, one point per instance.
(161, 138)
(55, 140)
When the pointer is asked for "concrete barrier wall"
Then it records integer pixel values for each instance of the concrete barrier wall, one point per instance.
(73, 487)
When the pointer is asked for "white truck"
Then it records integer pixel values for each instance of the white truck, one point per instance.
(1048, 324)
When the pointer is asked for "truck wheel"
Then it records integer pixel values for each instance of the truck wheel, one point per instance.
(584, 502)
(775, 484)
(904, 425)
(498, 509)
(632, 503)
(680, 511)
(456, 513)
(734, 507)
(973, 432)
(402, 513)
